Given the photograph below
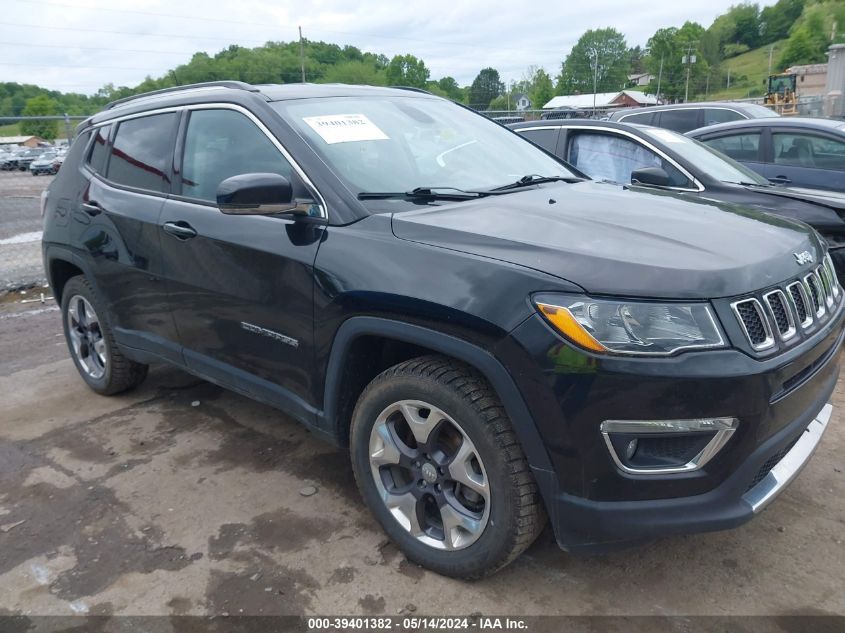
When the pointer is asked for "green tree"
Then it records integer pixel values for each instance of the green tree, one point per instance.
(542, 90)
(800, 49)
(599, 54)
(450, 88)
(776, 20)
(485, 87)
(407, 70)
(41, 105)
(355, 72)
(672, 45)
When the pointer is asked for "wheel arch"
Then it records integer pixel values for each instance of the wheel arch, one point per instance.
(425, 341)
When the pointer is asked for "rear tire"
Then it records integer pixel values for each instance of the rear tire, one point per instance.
(91, 343)
(439, 465)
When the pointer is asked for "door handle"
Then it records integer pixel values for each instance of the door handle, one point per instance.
(181, 230)
(92, 207)
(780, 180)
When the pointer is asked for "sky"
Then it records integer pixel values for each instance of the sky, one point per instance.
(80, 45)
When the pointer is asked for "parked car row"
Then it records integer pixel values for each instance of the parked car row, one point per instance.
(38, 160)
(646, 156)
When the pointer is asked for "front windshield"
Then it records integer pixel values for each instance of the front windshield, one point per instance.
(706, 159)
(397, 144)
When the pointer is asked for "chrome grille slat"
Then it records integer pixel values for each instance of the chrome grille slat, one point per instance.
(816, 293)
(831, 270)
(781, 314)
(754, 323)
(800, 303)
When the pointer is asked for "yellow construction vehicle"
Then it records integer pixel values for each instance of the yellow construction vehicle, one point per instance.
(781, 96)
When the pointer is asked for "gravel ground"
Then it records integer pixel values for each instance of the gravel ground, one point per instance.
(20, 229)
(183, 498)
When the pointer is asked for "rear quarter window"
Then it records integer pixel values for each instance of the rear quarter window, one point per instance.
(141, 153)
(547, 139)
(99, 149)
(643, 118)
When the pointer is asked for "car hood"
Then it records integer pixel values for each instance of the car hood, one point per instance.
(611, 240)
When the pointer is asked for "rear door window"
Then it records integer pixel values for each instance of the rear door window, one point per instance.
(742, 147)
(547, 139)
(807, 150)
(141, 152)
(682, 120)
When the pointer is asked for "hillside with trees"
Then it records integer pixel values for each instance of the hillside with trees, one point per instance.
(730, 58)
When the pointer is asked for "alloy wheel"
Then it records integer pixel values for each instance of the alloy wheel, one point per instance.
(429, 475)
(86, 337)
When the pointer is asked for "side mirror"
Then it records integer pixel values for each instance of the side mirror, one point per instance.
(654, 176)
(258, 194)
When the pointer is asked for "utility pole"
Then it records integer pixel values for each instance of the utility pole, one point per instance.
(707, 86)
(689, 60)
(771, 51)
(68, 132)
(301, 55)
(659, 78)
(729, 77)
(595, 78)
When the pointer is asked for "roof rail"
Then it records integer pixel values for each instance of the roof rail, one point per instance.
(413, 89)
(235, 85)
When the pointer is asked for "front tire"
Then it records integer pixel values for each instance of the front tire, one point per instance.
(91, 342)
(438, 464)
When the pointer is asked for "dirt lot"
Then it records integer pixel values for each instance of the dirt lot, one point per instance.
(20, 228)
(182, 498)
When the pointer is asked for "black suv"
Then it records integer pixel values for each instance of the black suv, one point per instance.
(495, 338)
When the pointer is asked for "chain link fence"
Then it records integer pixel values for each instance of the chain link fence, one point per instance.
(20, 230)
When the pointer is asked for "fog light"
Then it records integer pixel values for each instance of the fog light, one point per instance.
(658, 447)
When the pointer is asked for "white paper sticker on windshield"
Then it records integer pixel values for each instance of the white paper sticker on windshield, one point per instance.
(343, 128)
(667, 137)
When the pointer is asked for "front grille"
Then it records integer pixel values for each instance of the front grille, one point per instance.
(796, 306)
(770, 463)
(753, 322)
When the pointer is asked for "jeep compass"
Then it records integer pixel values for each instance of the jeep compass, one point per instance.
(497, 340)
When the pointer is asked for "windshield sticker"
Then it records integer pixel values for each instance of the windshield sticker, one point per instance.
(344, 128)
(667, 137)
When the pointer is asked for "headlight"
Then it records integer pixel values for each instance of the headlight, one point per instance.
(632, 327)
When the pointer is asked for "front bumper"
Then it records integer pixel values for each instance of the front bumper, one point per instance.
(583, 525)
(780, 401)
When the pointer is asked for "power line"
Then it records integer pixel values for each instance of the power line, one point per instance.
(98, 48)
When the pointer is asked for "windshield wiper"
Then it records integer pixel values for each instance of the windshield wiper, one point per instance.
(423, 193)
(535, 179)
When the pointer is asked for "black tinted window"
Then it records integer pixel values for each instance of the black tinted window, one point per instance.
(679, 120)
(223, 143)
(712, 116)
(141, 152)
(99, 149)
(741, 147)
(547, 139)
(643, 118)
